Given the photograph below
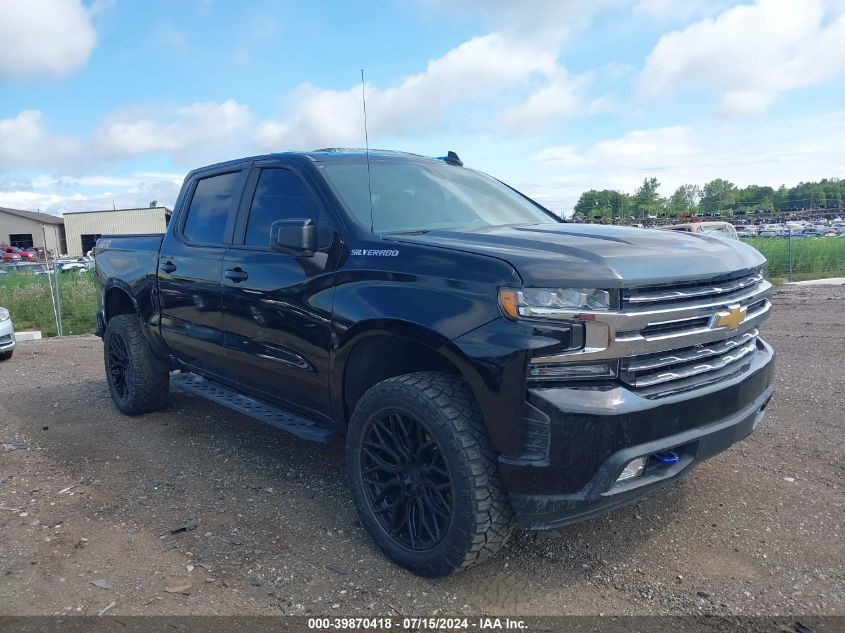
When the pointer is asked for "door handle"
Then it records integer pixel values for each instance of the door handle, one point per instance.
(167, 267)
(236, 274)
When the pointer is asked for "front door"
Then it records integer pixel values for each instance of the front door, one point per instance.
(277, 307)
(189, 272)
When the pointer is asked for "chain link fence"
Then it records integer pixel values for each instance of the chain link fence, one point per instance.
(64, 303)
(793, 258)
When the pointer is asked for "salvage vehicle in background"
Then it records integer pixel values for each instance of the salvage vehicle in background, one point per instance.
(716, 229)
(487, 364)
(7, 335)
(24, 255)
(9, 256)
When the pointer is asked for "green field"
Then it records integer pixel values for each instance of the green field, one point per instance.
(812, 258)
(28, 299)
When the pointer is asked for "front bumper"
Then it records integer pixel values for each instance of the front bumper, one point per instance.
(7, 336)
(594, 431)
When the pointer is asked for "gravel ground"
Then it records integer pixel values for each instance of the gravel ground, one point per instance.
(93, 502)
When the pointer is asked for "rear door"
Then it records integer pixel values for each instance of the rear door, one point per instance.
(189, 271)
(277, 306)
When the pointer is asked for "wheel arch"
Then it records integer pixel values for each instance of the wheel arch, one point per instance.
(118, 299)
(383, 348)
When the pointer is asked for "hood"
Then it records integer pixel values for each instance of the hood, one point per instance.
(590, 255)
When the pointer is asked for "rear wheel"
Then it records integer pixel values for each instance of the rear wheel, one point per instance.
(138, 382)
(423, 478)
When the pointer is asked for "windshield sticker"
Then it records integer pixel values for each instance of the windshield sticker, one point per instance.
(374, 253)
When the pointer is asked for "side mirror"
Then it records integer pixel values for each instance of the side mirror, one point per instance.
(295, 237)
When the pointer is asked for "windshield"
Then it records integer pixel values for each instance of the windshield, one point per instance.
(718, 231)
(411, 197)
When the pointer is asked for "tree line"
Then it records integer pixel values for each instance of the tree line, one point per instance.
(718, 196)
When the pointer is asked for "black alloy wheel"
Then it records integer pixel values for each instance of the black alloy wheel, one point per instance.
(406, 480)
(119, 366)
(138, 381)
(422, 475)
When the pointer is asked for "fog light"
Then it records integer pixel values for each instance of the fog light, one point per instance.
(634, 468)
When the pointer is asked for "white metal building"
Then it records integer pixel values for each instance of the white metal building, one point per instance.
(82, 228)
(25, 229)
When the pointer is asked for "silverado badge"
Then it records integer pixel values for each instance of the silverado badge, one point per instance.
(730, 319)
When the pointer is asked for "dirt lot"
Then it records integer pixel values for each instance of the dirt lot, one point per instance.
(89, 509)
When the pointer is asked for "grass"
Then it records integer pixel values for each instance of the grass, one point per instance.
(28, 299)
(812, 258)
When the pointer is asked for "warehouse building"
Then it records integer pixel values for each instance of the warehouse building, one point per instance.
(82, 228)
(26, 229)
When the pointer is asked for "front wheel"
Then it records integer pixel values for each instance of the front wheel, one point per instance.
(138, 381)
(6, 355)
(423, 478)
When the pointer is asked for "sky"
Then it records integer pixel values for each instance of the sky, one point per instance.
(112, 102)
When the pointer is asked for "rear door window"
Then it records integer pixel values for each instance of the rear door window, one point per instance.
(212, 206)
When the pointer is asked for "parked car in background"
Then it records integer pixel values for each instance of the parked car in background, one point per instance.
(716, 229)
(9, 256)
(7, 335)
(24, 255)
(746, 231)
(23, 267)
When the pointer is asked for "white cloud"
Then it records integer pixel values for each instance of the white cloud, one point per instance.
(542, 21)
(51, 37)
(562, 96)
(750, 54)
(24, 142)
(636, 150)
(57, 196)
(674, 11)
(200, 131)
(477, 70)
(809, 149)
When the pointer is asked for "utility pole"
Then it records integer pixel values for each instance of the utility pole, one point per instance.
(53, 298)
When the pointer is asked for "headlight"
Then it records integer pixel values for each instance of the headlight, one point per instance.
(4, 314)
(551, 303)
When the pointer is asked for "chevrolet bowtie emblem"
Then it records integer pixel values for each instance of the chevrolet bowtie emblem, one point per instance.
(732, 318)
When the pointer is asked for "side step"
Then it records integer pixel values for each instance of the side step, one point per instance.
(272, 415)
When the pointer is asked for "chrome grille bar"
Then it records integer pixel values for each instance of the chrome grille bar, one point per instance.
(681, 292)
(685, 370)
(645, 363)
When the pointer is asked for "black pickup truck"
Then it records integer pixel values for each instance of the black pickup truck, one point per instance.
(487, 364)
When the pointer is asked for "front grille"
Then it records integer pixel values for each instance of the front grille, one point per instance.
(725, 289)
(685, 337)
(654, 369)
(679, 336)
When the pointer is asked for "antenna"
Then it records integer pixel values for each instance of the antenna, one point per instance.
(367, 150)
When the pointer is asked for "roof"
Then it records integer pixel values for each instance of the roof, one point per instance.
(36, 216)
(165, 209)
(328, 154)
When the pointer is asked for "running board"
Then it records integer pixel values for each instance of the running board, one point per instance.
(268, 413)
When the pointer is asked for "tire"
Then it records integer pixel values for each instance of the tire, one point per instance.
(138, 381)
(453, 471)
(6, 355)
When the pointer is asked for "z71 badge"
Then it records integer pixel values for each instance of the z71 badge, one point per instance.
(374, 253)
